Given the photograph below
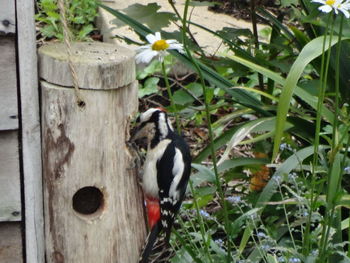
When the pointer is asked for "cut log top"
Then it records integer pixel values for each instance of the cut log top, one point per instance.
(98, 65)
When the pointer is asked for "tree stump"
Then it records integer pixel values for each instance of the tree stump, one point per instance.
(93, 204)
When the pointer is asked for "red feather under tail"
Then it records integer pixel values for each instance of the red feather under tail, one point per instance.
(153, 211)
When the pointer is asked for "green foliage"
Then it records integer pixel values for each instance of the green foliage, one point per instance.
(148, 15)
(80, 16)
(241, 207)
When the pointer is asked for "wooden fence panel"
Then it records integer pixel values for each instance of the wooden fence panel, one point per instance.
(10, 243)
(8, 84)
(7, 16)
(10, 201)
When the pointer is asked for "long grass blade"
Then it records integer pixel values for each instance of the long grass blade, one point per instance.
(311, 51)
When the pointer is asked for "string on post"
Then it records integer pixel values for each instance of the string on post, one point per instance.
(67, 41)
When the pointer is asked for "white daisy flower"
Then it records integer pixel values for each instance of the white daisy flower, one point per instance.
(336, 5)
(157, 47)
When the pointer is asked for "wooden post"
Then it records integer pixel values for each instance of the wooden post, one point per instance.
(30, 132)
(92, 201)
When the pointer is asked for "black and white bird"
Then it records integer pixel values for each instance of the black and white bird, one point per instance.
(165, 175)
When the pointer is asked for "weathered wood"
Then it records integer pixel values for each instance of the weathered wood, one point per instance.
(8, 84)
(10, 187)
(95, 69)
(84, 150)
(10, 243)
(30, 139)
(7, 16)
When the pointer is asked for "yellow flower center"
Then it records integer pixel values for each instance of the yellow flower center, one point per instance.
(330, 2)
(160, 45)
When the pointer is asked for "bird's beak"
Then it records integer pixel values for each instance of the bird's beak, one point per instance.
(139, 132)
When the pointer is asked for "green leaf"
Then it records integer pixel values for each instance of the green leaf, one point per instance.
(153, 67)
(302, 94)
(149, 15)
(237, 162)
(311, 51)
(236, 226)
(85, 31)
(202, 3)
(333, 182)
(204, 175)
(243, 131)
(188, 94)
(48, 31)
(150, 86)
(218, 142)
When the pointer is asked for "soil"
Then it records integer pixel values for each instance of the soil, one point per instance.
(241, 9)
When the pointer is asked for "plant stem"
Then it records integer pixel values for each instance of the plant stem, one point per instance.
(201, 223)
(210, 131)
(337, 94)
(256, 39)
(329, 216)
(173, 106)
(313, 197)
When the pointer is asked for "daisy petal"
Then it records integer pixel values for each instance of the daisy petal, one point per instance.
(345, 12)
(319, 1)
(325, 8)
(172, 41)
(141, 48)
(145, 56)
(151, 38)
(158, 36)
(178, 47)
(337, 3)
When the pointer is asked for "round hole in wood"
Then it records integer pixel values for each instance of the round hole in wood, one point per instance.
(88, 200)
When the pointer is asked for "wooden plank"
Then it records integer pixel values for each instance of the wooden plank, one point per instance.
(8, 84)
(10, 187)
(7, 17)
(11, 243)
(30, 141)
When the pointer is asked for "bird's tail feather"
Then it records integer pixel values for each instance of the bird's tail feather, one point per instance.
(151, 239)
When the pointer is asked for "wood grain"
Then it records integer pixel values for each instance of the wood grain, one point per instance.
(8, 84)
(85, 147)
(10, 243)
(7, 16)
(30, 139)
(10, 187)
(98, 65)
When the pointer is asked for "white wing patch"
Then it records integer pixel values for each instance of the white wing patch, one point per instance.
(177, 171)
(163, 127)
(149, 179)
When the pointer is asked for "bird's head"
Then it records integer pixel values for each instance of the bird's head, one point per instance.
(151, 123)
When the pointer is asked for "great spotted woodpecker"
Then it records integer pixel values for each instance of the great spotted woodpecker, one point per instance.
(165, 176)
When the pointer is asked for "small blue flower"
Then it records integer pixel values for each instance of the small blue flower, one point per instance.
(281, 259)
(219, 242)
(261, 234)
(283, 146)
(266, 247)
(292, 176)
(277, 179)
(347, 170)
(294, 260)
(234, 199)
(205, 214)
